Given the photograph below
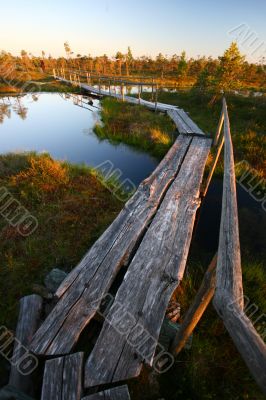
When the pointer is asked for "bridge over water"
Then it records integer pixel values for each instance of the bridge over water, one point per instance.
(128, 276)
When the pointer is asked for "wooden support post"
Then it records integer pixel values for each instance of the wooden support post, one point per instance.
(214, 163)
(109, 87)
(87, 77)
(156, 97)
(54, 73)
(228, 299)
(122, 92)
(152, 90)
(196, 310)
(219, 128)
(99, 85)
(28, 322)
(139, 93)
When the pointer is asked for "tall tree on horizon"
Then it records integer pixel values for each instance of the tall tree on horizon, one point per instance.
(229, 72)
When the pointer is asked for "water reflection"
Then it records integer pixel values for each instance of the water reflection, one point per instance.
(62, 124)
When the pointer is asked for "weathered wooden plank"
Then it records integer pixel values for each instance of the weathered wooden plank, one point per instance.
(179, 122)
(52, 379)
(183, 122)
(28, 321)
(63, 378)
(194, 127)
(117, 393)
(228, 298)
(80, 294)
(229, 273)
(131, 329)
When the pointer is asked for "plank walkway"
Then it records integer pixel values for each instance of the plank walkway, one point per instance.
(183, 122)
(151, 238)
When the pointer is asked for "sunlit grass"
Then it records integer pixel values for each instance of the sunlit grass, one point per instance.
(136, 126)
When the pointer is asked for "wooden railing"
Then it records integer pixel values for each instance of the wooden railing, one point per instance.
(228, 292)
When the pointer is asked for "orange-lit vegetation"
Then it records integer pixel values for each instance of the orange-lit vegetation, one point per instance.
(137, 126)
(175, 70)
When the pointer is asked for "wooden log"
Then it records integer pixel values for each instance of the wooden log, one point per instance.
(122, 92)
(81, 292)
(63, 378)
(156, 98)
(228, 298)
(229, 273)
(130, 332)
(246, 339)
(197, 308)
(28, 321)
(116, 393)
(214, 163)
(219, 128)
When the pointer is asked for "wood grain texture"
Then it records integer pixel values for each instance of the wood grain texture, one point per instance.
(228, 298)
(63, 378)
(81, 293)
(229, 273)
(131, 330)
(179, 122)
(183, 122)
(117, 393)
(28, 320)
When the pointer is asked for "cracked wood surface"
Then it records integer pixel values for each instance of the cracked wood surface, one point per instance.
(131, 330)
(81, 292)
(63, 378)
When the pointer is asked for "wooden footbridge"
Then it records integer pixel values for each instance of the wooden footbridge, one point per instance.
(144, 253)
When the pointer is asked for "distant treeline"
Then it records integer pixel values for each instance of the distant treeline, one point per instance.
(177, 69)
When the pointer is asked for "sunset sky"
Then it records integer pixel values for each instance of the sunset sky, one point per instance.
(148, 26)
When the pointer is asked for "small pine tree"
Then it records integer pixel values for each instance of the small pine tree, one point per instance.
(230, 69)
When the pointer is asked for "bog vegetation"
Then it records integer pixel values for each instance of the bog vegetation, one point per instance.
(228, 72)
(73, 207)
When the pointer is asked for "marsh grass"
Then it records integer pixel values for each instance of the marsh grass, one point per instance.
(247, 119)
(72, 206)
(136, 126)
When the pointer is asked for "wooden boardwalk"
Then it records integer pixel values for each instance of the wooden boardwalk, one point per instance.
(148, 243)
(151, 238)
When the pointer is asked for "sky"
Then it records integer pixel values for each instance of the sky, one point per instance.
(97, 27)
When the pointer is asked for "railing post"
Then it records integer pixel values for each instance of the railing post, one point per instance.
(54, 73)
(219, 128)
(218, 152)
(139, 93)
(122, 92)
(197, 308)
(156, 98)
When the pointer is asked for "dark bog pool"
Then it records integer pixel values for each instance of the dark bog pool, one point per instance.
(63, 126)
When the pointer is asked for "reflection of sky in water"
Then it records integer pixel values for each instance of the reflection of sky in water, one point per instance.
(54, 124)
